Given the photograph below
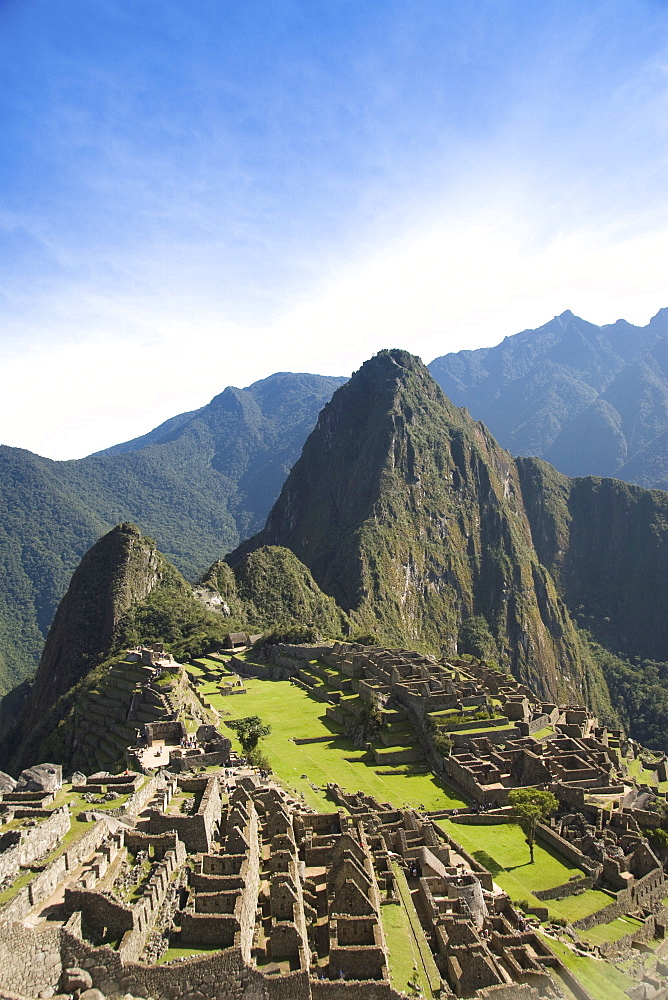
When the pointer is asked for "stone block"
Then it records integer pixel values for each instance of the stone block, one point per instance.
(41, 778)
(76, 978)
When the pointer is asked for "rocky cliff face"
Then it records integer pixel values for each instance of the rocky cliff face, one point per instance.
(411, 516)
(606, 545)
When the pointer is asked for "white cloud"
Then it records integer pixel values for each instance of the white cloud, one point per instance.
(466, 281)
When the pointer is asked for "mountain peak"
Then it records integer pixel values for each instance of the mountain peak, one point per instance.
(409, 515)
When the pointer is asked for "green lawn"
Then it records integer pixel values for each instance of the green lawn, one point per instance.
(191, 952)
(404, 964)
(601, 979)
(501, 849)
(408, 936)
(644, 774)
(291, 712)
(613, 931)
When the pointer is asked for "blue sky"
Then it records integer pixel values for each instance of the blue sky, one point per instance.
(197, 193)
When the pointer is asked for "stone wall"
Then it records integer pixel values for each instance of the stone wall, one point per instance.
(493, 735)
(131, 923)
(41, 887)
(29, 958)
(566, 889)
(138, 799)
(479, 870)
(265, 671)
(221, 976)
(643, 935)
(567, 850)
(196, 831)
(35, 842)
(178, 764)
(210, 929)
(346, 989)
(135, 841)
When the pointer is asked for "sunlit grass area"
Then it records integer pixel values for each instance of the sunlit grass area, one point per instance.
(601, 979)
(501, 848)
(291, 712)
(613, 931)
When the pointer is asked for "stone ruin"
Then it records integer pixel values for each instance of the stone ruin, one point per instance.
(282, 902)
(276, 901)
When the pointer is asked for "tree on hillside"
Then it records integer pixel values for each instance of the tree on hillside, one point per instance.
(475, 637)
(250, 731)
(530, 806)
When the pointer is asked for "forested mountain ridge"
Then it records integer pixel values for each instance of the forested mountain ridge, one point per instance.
(591, 400)
(411, 516)
(404, 518)
(408, 512)
(198, 484)
(124, 592)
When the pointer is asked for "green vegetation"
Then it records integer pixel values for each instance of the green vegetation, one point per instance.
(400, 507)
(294, 714)
(475, 637)
(250, 730)
(197, 484)
(639, 694)
(502, 849)
(408, 938)
(443, 744)
(404, 957)
(276, 589)
(602, 979)
(616, 929)
(173, 954)
(530, 806)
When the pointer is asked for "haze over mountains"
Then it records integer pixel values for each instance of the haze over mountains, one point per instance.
(591, 400)
(520, 538)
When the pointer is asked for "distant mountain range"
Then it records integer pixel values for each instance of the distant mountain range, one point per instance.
(404, 522)
(199, 484)
(591, 400)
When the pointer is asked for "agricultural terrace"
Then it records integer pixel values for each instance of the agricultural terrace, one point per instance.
(644, 774)
(291, 712)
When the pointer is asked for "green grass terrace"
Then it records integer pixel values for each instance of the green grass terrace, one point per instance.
(292, 712)
(501, 849)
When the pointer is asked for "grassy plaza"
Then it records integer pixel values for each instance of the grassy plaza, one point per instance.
(502, 850)
(291, 712)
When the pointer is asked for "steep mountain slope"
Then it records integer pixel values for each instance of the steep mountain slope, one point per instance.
(605, 543)
(590, 400)
(410, 515)
(198, 484)
(124, 592)
(270, 587)
(120, 570)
